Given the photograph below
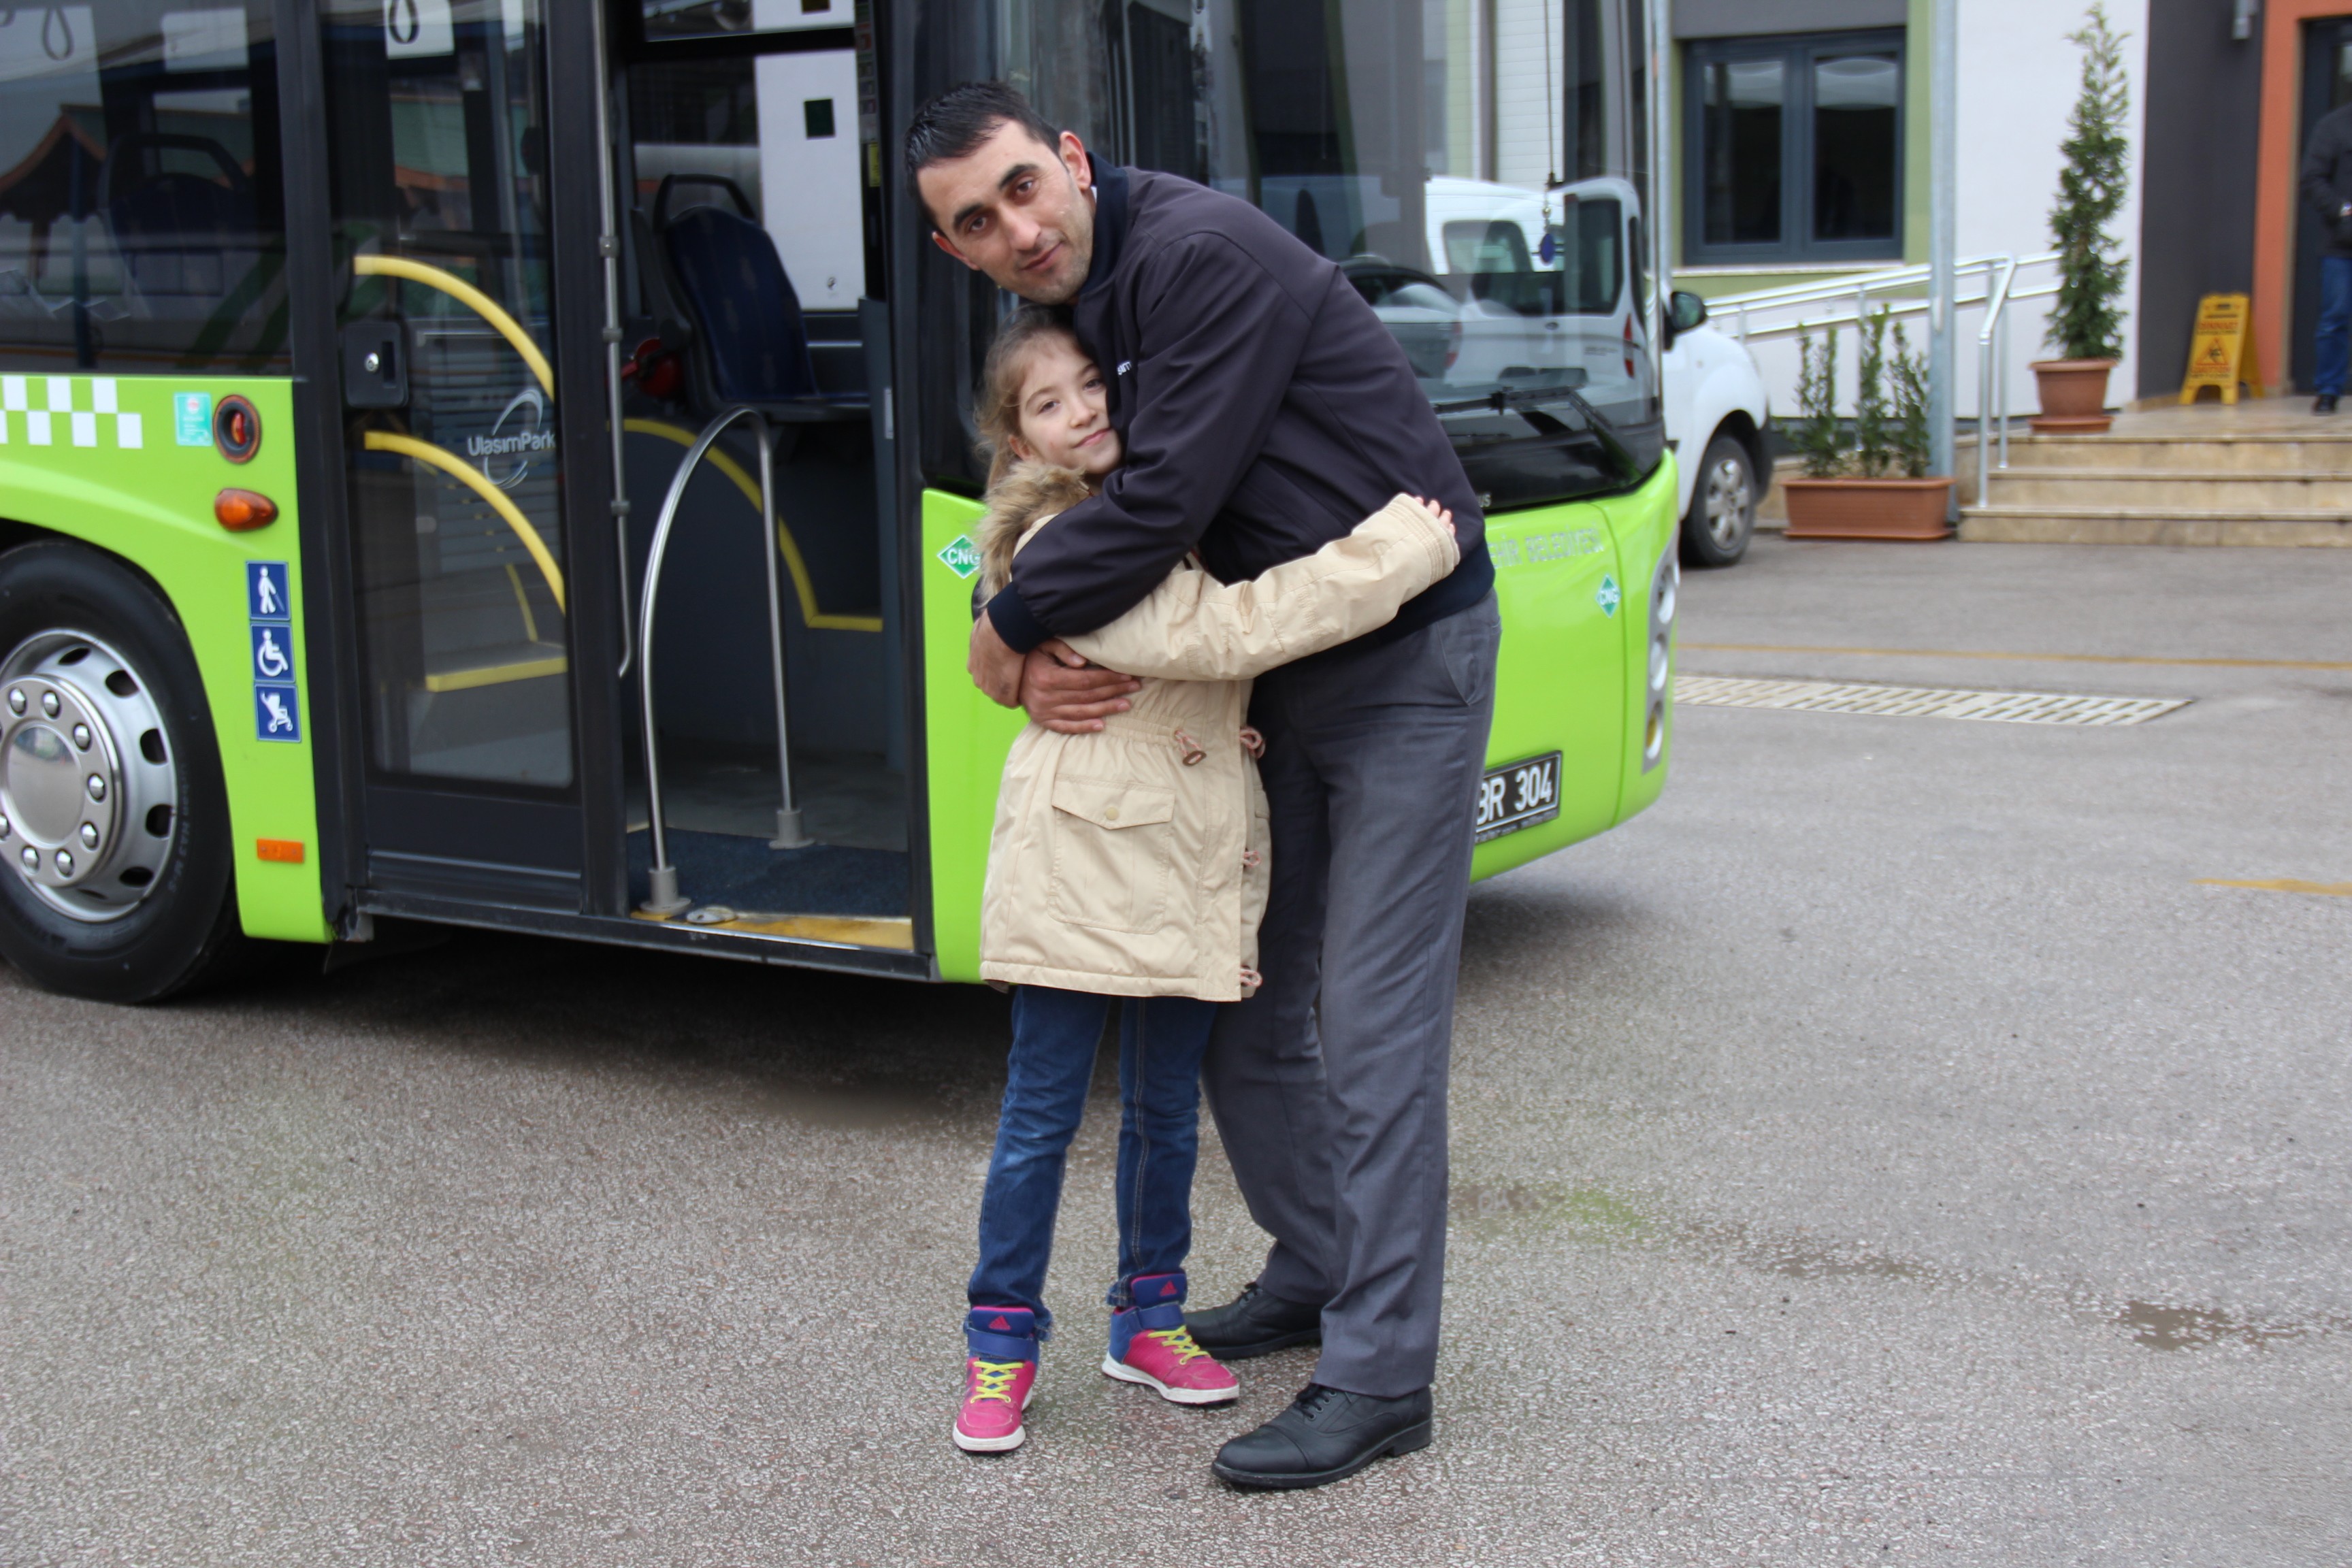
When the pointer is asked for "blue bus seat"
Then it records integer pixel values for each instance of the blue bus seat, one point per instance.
(751, 344)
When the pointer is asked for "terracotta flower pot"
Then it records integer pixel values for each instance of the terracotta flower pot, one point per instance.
(2074, 395)
(1867, 509)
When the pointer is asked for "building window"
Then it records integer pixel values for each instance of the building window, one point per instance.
(1793, 149)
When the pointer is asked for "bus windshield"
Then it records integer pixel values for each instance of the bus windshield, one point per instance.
(1473, 167)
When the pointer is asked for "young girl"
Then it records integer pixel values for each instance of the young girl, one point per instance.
(1130, 863)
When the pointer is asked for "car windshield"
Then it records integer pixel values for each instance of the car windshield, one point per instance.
(1470, 164)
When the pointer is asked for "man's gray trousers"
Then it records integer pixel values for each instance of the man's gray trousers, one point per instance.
(1329, 1086)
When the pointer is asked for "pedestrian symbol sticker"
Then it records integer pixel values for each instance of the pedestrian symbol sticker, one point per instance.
(273, 656)
(269, 607)
(1608, 597)
(192, 418)
(265, 591)
(962, 555)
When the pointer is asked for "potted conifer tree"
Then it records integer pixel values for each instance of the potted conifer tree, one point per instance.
(2086, 322)
(1880, 488)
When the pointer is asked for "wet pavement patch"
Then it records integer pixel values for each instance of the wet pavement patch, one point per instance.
(2162, 1328)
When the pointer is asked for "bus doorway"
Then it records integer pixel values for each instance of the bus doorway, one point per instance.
(751, 244)
(737, 761)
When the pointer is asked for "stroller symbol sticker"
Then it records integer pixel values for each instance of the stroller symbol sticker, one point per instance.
(275, 717)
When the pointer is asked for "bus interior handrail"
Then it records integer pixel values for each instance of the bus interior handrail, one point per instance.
(663, 899)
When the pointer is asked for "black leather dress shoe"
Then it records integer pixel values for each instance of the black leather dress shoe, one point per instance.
(1254, 1323)
(2324, 404)
(1326, 1434)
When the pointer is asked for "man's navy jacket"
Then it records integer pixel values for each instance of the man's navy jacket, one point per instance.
(1265, 412)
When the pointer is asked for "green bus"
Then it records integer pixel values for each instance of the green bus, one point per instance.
(504, 463)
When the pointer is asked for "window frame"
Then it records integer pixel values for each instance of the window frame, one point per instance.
(1796, 52)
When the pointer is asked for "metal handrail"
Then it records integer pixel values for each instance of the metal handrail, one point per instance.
(661, 893)
(1992, 368)
(1855, 293)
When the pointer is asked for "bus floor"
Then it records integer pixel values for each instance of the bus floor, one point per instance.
(720, 809)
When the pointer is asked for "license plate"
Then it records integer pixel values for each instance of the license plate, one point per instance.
(1517, 796)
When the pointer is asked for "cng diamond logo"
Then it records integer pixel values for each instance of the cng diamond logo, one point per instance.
(1608, 596)
(962, 555)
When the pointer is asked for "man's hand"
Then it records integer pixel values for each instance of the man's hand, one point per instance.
(994, 668)
(1063, 692)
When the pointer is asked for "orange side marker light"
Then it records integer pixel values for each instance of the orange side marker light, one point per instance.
(283, 851)
(241, 512)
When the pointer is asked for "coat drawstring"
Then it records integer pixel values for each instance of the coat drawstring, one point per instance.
(1193, 749)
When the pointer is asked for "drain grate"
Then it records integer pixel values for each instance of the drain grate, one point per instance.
(1921, 702)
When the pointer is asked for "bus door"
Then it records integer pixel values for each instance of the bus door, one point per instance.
(437, 139)
(749, 182)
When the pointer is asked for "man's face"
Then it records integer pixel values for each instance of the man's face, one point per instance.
(1018, 210)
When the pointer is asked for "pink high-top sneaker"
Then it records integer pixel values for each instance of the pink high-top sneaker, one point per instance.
(1000, 1378)
(1151, 1345)
(995, 1393)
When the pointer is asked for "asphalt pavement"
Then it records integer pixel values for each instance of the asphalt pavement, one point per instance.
(1899, 1145)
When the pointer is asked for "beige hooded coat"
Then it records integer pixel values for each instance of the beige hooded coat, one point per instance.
(1132, 861)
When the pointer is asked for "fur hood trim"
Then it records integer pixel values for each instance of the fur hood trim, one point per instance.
(1025, 497)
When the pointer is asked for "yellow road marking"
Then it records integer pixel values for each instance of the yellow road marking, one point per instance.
(2028, 658)
(2283, 885)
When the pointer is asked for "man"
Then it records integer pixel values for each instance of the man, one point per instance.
(2327, 188)
(1265, 410)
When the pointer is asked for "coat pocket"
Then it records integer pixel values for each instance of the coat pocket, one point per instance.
(1114, 848)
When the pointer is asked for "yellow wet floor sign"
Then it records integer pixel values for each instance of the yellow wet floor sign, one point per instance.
(2221, 350)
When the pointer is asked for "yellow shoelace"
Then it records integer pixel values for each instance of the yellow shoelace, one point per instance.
(993, 1379)
(1179, 1340)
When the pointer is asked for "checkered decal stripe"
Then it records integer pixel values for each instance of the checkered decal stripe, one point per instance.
(72, 411)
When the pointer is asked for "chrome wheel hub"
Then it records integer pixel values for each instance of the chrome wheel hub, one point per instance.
(88, 788)
(1729, 500)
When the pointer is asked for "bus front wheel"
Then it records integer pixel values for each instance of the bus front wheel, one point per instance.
(116, 876)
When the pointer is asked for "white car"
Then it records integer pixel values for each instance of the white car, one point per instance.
(1716, 405)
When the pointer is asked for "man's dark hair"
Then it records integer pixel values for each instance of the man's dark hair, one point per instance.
(957, 121)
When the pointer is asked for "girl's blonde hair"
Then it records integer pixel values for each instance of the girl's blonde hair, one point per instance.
(996, 408)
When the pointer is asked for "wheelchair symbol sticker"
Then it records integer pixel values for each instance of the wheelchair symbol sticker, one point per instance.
(273, 653)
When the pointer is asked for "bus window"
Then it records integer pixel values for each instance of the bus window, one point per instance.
(141, 216)
(438, 153)
(667, 19)
(1471, 145)
(782, 129)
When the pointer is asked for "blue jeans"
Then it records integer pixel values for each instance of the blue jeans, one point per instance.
(1054, 1033)
(2334, 345)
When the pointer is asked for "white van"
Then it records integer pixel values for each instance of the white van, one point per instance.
(1577, 253)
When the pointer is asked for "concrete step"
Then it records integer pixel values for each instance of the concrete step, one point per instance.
(2149, 525)
(2256, 495)
(2259, 453)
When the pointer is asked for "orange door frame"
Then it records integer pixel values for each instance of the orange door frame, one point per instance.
(2277, 159)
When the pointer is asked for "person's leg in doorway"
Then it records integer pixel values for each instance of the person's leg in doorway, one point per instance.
(2333, 345)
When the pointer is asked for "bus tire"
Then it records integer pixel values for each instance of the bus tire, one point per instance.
(1723, 504)
(119, 876)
